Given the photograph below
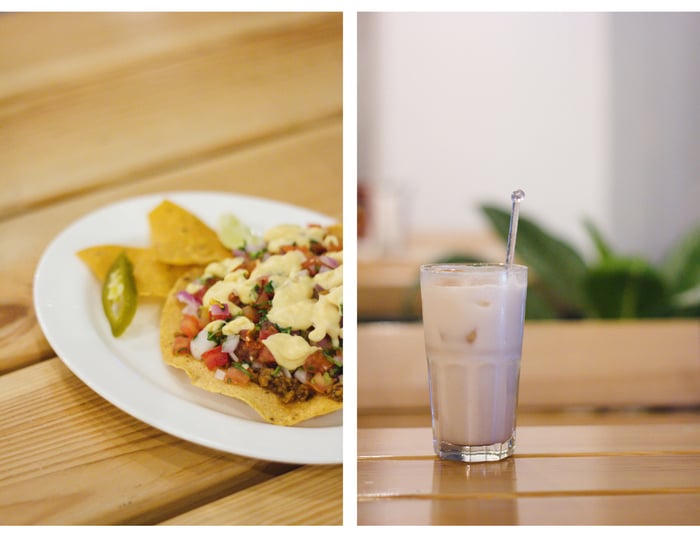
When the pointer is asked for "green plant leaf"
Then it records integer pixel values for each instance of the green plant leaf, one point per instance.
(681, 266)
(557, 265)
(604, 250)
(626, 288)
(687, 303)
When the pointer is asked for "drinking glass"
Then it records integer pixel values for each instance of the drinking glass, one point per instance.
(473, 318)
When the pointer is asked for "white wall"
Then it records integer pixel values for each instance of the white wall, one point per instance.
(655, 158)
(466, 107)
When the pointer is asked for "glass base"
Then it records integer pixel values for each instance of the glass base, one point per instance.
(475, 453)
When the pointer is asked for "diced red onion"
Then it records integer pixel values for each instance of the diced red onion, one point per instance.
(286, 372)
(238, 252)
(325, 342)
(216, 309)
(219, 374)
(191, 303)
(201, 344)
(230, 344)
(328, 261)
(185, 297)
(301, 375)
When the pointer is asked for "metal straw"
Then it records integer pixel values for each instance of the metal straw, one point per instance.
(516, 197)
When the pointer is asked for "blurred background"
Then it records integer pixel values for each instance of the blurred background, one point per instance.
(595, 116)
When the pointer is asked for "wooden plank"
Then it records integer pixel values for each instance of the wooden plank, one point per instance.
(311, 495)
(153, 117)
(565, 364)
(639, 510)
(642, 439)
(53, 50)
(303, 169)
(77, 459)
(602, 474)
(524, 476)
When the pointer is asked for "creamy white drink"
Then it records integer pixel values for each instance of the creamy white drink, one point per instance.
(473, 322)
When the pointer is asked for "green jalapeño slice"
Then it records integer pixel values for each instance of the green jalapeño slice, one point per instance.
(119, 297)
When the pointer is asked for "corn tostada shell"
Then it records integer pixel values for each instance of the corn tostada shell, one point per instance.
(265, 402)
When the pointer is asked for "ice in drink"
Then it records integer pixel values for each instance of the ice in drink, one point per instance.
(473, 323)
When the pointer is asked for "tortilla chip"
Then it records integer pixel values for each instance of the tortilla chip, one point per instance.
(266, 403)
(153, 278)
(181, 238)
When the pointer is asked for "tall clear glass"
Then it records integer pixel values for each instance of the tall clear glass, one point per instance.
(473, 318)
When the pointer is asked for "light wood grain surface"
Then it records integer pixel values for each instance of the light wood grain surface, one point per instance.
(572, 475)
(100, 107)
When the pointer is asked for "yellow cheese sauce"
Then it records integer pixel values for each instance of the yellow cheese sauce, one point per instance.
(300, 302)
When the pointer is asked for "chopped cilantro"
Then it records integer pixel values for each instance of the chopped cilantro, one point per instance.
(215, 336)
(242, 369)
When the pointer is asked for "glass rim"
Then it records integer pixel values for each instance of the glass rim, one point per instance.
(445, 266)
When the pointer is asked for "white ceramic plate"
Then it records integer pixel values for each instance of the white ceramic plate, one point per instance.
(128, 371)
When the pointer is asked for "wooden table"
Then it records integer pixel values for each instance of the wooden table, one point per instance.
(608, 430)
(95, 108)
(634, 474)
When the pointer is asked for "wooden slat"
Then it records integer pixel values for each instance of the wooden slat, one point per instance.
(147, 118)
(602, 474)
(637, 510)
(523, 476)
(565, 364)
(53, 50)
(70, 457)
(647, 439)
(306, 496)
(304, 169)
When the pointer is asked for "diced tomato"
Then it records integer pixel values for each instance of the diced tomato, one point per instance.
(312, 265)
(189, 326)
(250, 313)
(206, 286)
(317, 363)
(294, 247)
(321, 383)
(265, 356)
(266, 329)
(215, 358)
(237, 377)
(181, 345)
